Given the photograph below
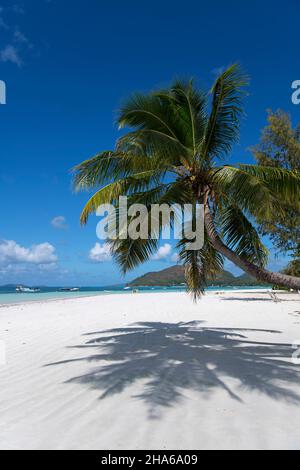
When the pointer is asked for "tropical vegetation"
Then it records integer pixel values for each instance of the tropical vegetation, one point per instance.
(279, 147)
(174, 150)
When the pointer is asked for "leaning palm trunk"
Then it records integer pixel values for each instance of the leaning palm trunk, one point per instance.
(257, 272)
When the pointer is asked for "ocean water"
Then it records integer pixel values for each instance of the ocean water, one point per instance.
(9, 296)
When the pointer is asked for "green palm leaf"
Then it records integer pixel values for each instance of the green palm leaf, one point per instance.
(190, 107)
(129, 254)
(241, 236)
(200, 266)
(283, 183)
(224, 121)
(111, 193)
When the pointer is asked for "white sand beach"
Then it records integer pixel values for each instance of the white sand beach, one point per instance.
(151, 371)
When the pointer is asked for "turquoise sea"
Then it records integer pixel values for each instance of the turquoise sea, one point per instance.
(9, 296)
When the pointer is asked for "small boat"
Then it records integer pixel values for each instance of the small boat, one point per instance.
(69, 289)
(27, 290)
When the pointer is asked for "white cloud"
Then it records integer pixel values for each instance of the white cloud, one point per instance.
(59, 222)
(163, 252)
(16, 40)
(10, 54)
(12, 253)
(100, 253)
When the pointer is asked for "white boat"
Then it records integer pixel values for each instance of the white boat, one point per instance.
(69, 289)
(27, 290)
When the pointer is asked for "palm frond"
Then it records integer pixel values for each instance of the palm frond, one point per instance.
(147, 112)
(167, 122)
(190, 108)
(110, 193)
(246, 190)
(285, 184)
(224, 120)
(167, 157)
(129, 253)
(200, 266)
(100, 169)
(241, 236)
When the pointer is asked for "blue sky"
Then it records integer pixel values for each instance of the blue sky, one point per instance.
(68, 65)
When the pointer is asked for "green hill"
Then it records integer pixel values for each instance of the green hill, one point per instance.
(174, 276)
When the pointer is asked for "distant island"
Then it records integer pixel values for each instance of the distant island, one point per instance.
(174, 276)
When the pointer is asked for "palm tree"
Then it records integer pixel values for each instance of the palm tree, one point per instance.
(174, 153)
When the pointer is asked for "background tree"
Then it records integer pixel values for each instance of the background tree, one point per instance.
(280, 147)
(293, 268)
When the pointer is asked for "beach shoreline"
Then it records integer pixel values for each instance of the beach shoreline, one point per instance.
(213, 291)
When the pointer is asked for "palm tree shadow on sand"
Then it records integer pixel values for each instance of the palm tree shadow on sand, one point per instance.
(170, 359)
